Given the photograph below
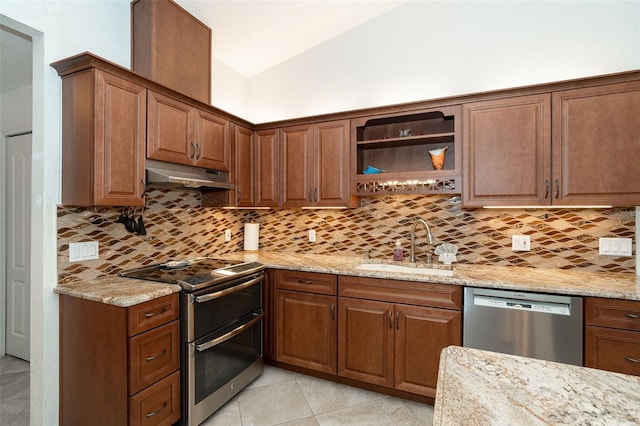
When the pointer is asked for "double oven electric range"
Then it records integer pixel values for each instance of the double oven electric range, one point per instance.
(221, 315)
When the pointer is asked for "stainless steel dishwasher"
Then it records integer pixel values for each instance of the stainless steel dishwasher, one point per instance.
(534, 325)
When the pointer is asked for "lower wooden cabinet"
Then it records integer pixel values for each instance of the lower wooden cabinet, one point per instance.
(119, 365)
(306, 321)
(394, 345)
(612, 335)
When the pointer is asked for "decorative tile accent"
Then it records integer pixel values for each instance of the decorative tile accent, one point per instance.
(177, 227)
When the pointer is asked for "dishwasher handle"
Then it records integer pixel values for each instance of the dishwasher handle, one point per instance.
(522, 305)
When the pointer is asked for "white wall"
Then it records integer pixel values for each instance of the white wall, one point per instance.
(59, 29)
(430, 49)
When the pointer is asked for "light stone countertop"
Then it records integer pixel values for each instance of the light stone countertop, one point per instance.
(485, 388)
(126, 291)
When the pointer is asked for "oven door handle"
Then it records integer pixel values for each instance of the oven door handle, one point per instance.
(204, 346)
(226, 291)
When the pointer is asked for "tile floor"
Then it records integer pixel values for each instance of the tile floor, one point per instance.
(278, 397)
(281, 397)
(14, 391)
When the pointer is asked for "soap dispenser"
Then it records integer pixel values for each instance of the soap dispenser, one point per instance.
(398, 252)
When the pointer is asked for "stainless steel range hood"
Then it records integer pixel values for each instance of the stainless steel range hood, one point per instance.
(160, 172)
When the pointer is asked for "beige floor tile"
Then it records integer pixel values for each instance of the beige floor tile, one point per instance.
(227, 415)
(324, 396)
(273, 375)
(407, 413)
(272, 404)
(307, 421)
(367, 414)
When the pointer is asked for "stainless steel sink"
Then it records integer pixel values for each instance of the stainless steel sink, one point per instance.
(390, 267)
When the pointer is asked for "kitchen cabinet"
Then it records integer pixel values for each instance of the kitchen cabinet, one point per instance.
(306, 320)
(612, 335)
(172, 47)
(181, 133)
(242, 172)
(565, 147)
(399, 145)
(103, 139)
(126, 373)
(267, 163)
(315, 160)
(391, 332)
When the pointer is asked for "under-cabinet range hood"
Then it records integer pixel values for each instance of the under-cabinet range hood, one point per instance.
(160, 172)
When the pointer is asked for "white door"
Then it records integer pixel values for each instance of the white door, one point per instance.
(18, 225)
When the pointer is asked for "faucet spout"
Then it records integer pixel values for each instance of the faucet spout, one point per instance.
(430, 239)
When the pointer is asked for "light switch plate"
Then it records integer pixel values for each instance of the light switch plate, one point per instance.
(615, 246)
(87, 250)
(227, 235)
(312, 235)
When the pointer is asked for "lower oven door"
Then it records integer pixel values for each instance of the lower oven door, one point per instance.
(221, 364)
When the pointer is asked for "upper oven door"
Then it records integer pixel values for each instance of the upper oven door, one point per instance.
(211, 309)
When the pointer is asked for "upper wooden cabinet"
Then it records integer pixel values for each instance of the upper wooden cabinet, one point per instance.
(242, 172)
(267, 163)
(172, 47)
(569, 147)
(103, 139)
(180, 133)
(315, 165)
(507, 151)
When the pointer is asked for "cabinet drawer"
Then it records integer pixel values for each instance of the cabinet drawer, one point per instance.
(398, 291)
(158, 404)
(153, 313)
(311, 282)
(624, 314)
(613, 350)
(153, 355)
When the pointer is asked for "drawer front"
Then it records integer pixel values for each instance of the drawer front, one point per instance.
(398, 291)
(613, 350)
(310, 282)
(153, 313)
(153, 355)
(615, 313)
(158, 404)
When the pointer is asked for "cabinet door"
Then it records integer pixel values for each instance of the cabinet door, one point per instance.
(365, 341)
(331, 164)
(212, 141)
(296, 162)
(613, 350)
(266, 168)
(120, 141)
(596, 151)
(243, 162)
(421, 334)
(306, 330)
(170, 130)
(506, 151)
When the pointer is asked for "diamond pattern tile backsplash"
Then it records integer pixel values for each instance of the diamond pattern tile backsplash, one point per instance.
(177, 227)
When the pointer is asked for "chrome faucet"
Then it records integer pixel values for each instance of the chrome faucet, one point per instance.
(430, 239)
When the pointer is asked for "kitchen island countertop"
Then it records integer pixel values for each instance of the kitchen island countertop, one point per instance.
(485, 388)
(121, 291)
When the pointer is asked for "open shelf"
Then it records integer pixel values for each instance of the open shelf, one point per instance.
(399, 145)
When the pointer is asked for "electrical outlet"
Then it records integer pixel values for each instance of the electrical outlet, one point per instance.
(87, 250)
(521, 243)
(312, 235)
(227, 235)
(615, 246)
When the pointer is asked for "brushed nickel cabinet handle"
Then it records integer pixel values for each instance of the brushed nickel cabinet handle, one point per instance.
(199, 148)
(630, 359)
(301, 281)
(630, 315)
(193, 151)
(397, 320)
(390, 323)
(151, 358)
(155, 314)
(158, 411)
(315, 195)
(333, 311)
(557, 188)
(546, 189)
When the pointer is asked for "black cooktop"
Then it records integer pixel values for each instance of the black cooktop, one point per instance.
(197, 273)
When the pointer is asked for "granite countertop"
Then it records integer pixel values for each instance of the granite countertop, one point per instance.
(485, 388)
(126, 291)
